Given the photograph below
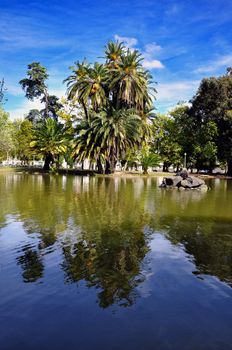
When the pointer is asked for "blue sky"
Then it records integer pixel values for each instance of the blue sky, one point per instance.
(182, 41)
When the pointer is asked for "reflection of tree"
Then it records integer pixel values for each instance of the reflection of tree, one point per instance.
(210, 246)
(201, 222)
(112, 264)
(31, 264)
(109, 252)
(99, 222)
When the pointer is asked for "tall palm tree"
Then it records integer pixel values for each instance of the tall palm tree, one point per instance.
(49, 140)
(80, 72)
(89, 85)
(113, 53)
(131, 83)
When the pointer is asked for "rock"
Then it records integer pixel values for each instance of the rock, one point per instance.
(204, 188)
(184, 181)
(176, 180)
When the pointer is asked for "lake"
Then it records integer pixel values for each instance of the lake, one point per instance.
(114, 263)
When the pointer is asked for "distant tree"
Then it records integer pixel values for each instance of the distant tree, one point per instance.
(34, 116)
(6, 141)
(35, 87)
(3, 90)
(165, 141)
(213, 104)
(147, 158)
(23, 135)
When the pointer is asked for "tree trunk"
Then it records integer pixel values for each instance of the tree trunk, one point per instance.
(145, 170)
(165, 167)
(47, 161)
(99, 166)
(211, 166)
(46, 103)
(85, 110)
(229, 170)
(107, 167)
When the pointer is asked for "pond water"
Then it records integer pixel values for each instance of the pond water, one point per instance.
(103, 263)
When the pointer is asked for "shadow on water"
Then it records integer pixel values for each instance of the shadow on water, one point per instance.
(103, 228)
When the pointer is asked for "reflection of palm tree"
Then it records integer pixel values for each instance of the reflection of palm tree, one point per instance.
(112, 245)
(111, 263)
(31, 264)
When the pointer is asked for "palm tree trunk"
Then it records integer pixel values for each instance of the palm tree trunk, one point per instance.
(47, 161)
(99, 166)
(107, 167)
(85, 110)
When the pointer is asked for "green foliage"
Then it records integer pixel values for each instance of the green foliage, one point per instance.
(213, 103)
(147, 158)
(49, 140)
(114, 96)
(166, 142)
(6, 142)
(23, 134)
(34, 86)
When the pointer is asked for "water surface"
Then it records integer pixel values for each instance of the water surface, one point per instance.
(102, 263)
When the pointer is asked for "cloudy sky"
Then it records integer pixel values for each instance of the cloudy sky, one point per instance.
(182, 41)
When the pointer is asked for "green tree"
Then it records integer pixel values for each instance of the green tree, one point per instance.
(109, 135)
(6, 141)
(50, 141)
(148, 158)
(108, 92)
(23, 135)
(213, 103)
(165, 141)
(35, 87)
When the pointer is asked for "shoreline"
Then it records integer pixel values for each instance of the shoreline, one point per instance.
(125, 174)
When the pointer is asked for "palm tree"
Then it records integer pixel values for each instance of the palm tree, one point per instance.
(109, 135)
(89, 85)
(49, 140)
(147, 158)
(130, 82)
(113, 53)
(80, 73)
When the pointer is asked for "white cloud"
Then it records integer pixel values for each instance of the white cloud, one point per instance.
(152, 48)
(222, 61)
(169, 94)
(129, 42)
(24, 108)
(150, 61)
(153, 64)
(13, 89)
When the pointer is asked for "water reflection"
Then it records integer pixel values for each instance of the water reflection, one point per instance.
(101, 228)
(31, 263)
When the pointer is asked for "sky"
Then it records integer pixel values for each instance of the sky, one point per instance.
(182, 42)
